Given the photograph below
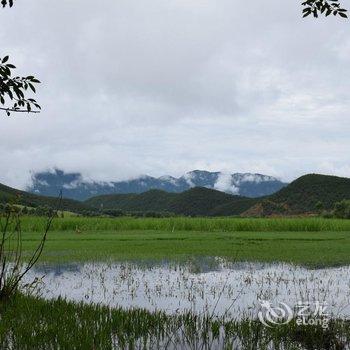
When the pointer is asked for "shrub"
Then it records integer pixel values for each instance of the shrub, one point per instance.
(342, 209)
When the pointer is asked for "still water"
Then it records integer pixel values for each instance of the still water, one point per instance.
(206, 285)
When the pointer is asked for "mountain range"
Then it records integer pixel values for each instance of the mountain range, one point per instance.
(298, 198)
(301, 197)
(49, 183)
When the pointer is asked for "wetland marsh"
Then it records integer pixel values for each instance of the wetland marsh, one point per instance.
(132, 283)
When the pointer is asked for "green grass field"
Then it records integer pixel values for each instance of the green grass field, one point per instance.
(312, 241)
(33, 323)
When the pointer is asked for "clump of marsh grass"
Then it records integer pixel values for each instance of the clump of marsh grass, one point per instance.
(33, 323)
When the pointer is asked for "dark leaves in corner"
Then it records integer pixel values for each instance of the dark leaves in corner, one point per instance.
(323, 7)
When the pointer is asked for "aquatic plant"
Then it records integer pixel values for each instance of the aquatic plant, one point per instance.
(31, 323)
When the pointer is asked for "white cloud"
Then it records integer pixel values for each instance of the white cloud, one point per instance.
(169, 86)
(224, 183)
(188, 177)
(257, 178)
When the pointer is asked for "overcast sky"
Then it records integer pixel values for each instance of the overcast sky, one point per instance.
(164, 87)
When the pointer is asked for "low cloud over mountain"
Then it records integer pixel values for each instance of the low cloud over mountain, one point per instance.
(75, 186)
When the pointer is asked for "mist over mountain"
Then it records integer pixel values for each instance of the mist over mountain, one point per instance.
(74, 186)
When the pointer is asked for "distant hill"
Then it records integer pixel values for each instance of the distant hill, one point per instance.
(198, 201)
(237, 207)
(302, 195)
(11, 195)
(75, 187)
(298, 198)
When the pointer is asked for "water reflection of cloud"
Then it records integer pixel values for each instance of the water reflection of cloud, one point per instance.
(201, 285)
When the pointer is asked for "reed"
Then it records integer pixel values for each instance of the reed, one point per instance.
(32, 323)
(35, 224)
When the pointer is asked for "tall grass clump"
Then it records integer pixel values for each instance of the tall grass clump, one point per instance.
(31, 323)
(35, 224)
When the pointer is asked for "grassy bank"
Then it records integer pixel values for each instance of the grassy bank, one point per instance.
(311, 241)
(309, 248)
(29, 323)
(35, 224)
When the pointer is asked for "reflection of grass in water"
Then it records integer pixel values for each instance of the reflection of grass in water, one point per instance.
(309, 248)
(140, 284)
(28, 323)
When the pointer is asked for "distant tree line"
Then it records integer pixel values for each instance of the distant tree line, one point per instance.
(341, 210)
(30, 211)
(45, 210)
(119, 213)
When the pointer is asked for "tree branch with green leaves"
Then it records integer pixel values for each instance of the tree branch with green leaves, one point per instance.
(14, 90)
(323, 7)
